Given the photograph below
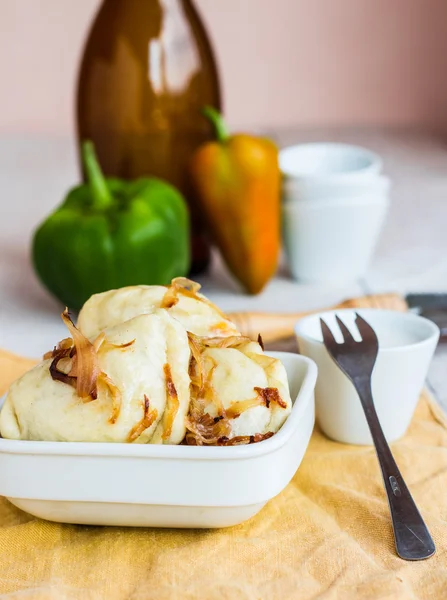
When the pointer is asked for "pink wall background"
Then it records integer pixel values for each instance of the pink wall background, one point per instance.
(283, 62)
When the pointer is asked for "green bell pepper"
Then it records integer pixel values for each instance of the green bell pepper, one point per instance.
(110, 233)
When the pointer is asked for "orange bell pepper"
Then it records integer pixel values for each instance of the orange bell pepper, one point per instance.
(237, 181)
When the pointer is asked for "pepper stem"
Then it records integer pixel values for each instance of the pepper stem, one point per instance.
(102, 198)
(217, 121)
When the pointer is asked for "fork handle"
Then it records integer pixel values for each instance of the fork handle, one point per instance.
(413, 540)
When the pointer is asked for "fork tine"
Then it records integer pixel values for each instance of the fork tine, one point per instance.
(328, 337)
(365, 329)
(347, 335)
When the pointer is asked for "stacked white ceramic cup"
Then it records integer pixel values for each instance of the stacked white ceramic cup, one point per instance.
(334, 203)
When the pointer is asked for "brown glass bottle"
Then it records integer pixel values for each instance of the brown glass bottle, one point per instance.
(147, 70)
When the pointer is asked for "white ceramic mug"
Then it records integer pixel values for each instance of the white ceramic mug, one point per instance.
(334, 205)
(326, 188)
(327, 159)
(331, 241)
(406, 346)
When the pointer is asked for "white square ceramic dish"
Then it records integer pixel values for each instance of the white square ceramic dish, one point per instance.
(160, 486)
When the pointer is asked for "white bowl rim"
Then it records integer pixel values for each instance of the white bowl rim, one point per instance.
(375, 160)
(160, 451)
(364, 312)
(309, 184)
(355, 201)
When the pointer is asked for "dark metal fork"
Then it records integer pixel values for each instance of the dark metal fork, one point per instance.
(356, 360)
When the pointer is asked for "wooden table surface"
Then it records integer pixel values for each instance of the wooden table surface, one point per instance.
(36, 172)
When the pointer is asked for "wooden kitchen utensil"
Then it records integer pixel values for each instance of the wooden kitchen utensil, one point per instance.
(276, 326)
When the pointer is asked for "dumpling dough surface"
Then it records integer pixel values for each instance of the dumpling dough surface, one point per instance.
(197, 315)
(39, 408)
(235, 374)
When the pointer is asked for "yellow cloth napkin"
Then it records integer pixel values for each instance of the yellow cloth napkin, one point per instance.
(327, 536)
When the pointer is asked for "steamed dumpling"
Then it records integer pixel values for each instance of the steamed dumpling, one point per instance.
(235, 377)
(150, 364)
(152, 381)
(197, 314)
(245, 392)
